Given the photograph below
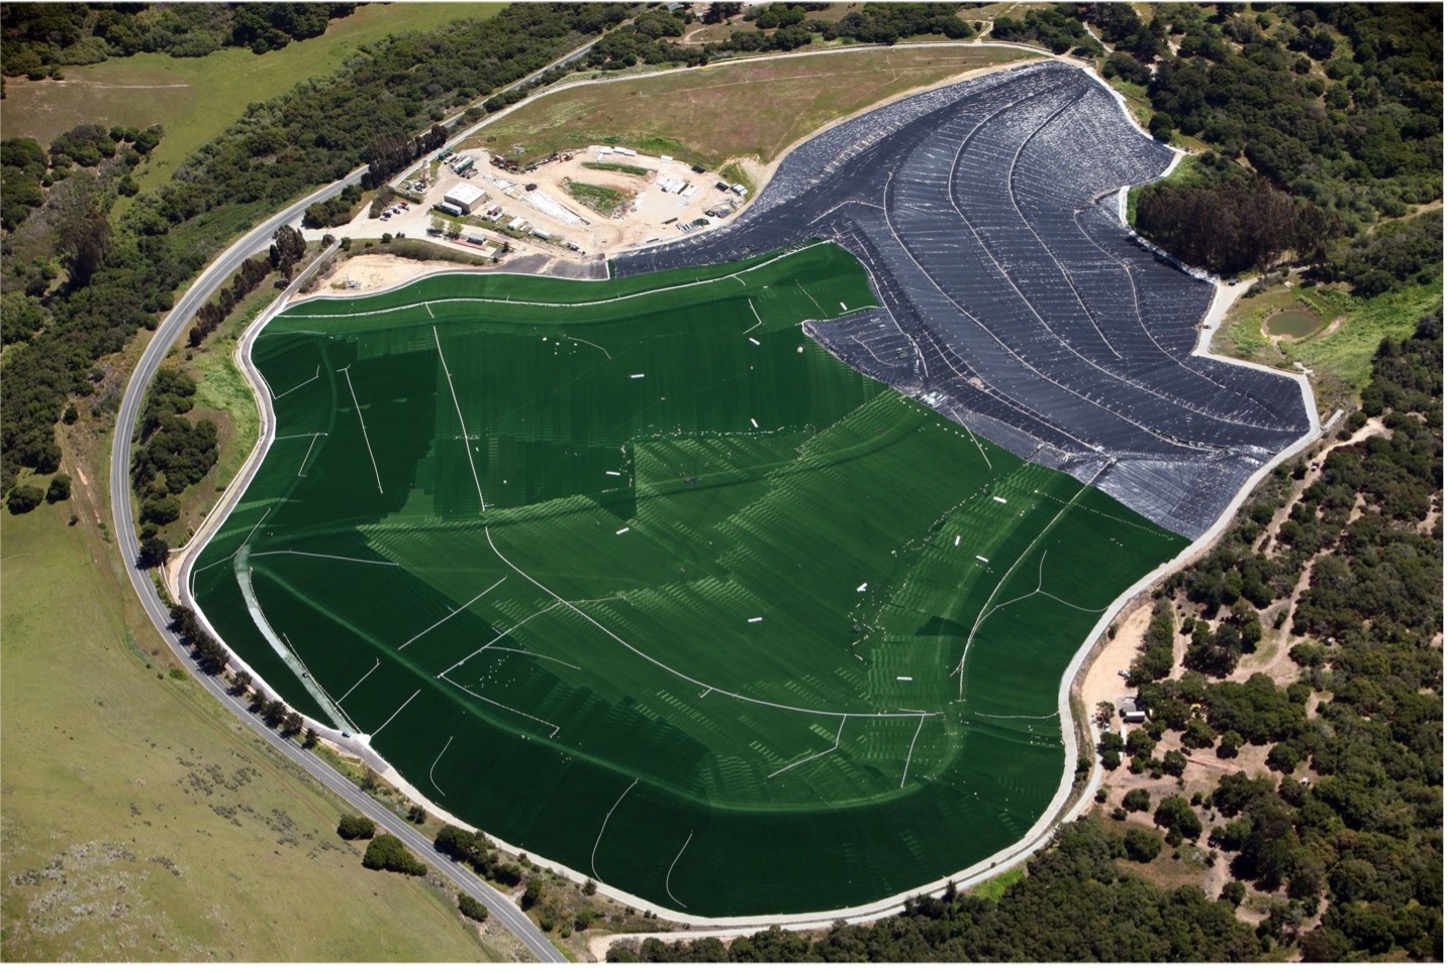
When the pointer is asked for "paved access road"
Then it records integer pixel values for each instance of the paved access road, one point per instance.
(214, 276)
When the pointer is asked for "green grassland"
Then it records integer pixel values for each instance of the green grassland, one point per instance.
(141, 822)
(599, 198)
(1340, 355)
(197, 98)
(714, 113)
(638, 551)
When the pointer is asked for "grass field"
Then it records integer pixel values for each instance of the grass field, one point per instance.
(709, 115)
(197, 98)
(637, 559)
(1341, 356)
(599, 198)
(141, 822)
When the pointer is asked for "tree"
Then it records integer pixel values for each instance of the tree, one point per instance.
(416, 814)
(154, 552)
(311, 738)
(292, 723)
(1139, 743)
(356, 828)
(1142, 845)
(1161, 126)
(83, 236)
(1175, 814)
(1136, 801)
(241, 683)
(532, 893)
(1229, 744)
(59, 489)
(472, 908)
(23, 498)
(274, 712)
(1198, 734)
(1174, 763)
(387, 852)
(1105, 711)
(287, 248)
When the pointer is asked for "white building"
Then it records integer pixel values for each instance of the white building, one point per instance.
(465, 197)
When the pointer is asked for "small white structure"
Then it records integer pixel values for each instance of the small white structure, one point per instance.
(465, 197)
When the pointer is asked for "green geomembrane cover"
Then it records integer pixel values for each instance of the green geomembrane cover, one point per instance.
(634, 575)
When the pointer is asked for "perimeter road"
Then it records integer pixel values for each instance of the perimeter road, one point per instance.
(165, 336)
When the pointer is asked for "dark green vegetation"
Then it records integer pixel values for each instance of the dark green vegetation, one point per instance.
(617, 167)
(39, 38)
(599, 198)
(114, 274)
(1320, 120)
(173, 453)
(1365, 830)
(1059, 28)
(629, 624)
(387, 852)
(1076, 904)
(1337, 108)
(776, 27)
(356, 828)
(472, 908)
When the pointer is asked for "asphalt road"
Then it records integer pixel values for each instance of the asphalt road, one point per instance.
(215, 275)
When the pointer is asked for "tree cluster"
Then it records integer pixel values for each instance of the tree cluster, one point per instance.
(778, 27)
(336, 211)
(37, 39)
(1155, 659)
(390, 154)
(1338, 106)
(1234, 222)
(1394, 253)
(1072, 906)
(471, 907)
(1058, 28)
(1364, 830)
(23, 165)
(209, 654)
(174, 453)
(210, 316)
(387, 852)
(477, 853)
(356, 828)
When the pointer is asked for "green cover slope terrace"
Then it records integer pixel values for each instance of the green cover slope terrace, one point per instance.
(634, 575)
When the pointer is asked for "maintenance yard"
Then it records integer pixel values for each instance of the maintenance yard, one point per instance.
(633, 575)
(577, 206)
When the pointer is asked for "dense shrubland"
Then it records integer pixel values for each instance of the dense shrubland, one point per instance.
(38, 39)
(1071, 907)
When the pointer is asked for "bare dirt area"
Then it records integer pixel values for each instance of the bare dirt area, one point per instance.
(378, 271)
(1101, 678)
(550, 210)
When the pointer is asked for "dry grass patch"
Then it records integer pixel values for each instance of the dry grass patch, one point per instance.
(712, 114)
